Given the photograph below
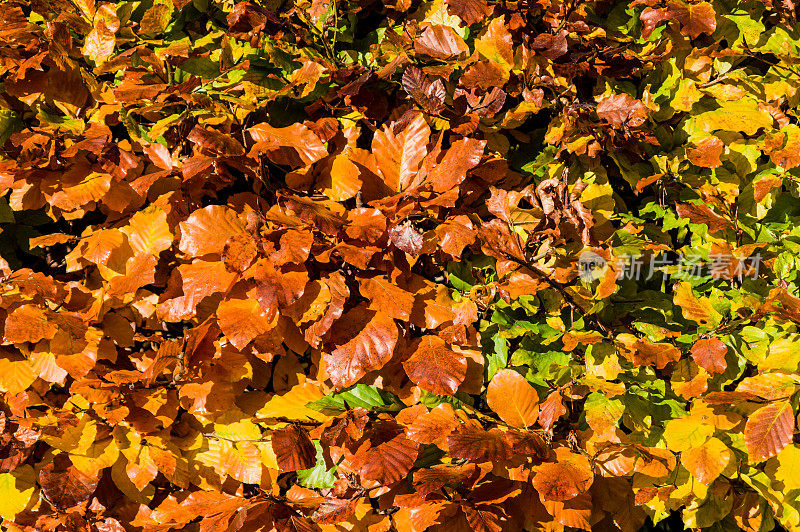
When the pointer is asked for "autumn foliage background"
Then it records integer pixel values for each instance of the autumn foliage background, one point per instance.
(291, 265)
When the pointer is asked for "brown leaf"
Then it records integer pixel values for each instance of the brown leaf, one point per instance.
(473, 443)
(366, 341)
(702, 214)
(619, 109)
(399, 154)
(434, 367)
(440, 42)
(498, 241)
(551, 46)
(429, 480)
(645, 353)
(406, 238)
(565, 479)
(483, 518)
(768, 430)
(293, 448)
(470, 11)
(294, 146)
(387, 297)
(215, 141)
(388, 454)
(430, 96)
(709, 353)
(64, 485)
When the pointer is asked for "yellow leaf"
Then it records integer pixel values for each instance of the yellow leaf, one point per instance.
(148, 231)
(98, 456)
(684, 433)
(16, 375)
(236, 425)
(740, 115)
(292, 404)
(785, 467)
(707, 461)
(694, 308)
(495, 44)
(16, 489)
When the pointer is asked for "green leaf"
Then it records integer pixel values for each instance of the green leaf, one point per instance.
(16, 490)
(319, 476)
(360, 395)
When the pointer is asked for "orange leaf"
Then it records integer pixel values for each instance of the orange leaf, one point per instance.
(295, 145)
(565, 479)
(768, 430)
(242, 320)
(207, 230)
(366, 342)
(434, 427)
(386, 297)
(707, 461)
(293, 448)
(399, 154)
(513, 399)
(709, 353)
(29, 323)
(706, 153)
(434, 367)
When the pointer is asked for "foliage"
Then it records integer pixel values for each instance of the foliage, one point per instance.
(301, 265)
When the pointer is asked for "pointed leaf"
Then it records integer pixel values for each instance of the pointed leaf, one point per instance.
(366, 342)
(513, 399)
(769, 430)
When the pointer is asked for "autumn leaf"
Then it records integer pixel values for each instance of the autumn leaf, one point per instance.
(707, 461)
(399, 154)
(440, 42)
(243, 320)
(642, 352)
(293, 145)
(769, 430)
(293, 448)
(388, 456)
(207, 230)
(386, 297)
(473, 443)
(435, 367)
(709, 353)
(64, 485)
(565, 479)
(513, 399)
(495, 44)
(365, 343)
(620, 109)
